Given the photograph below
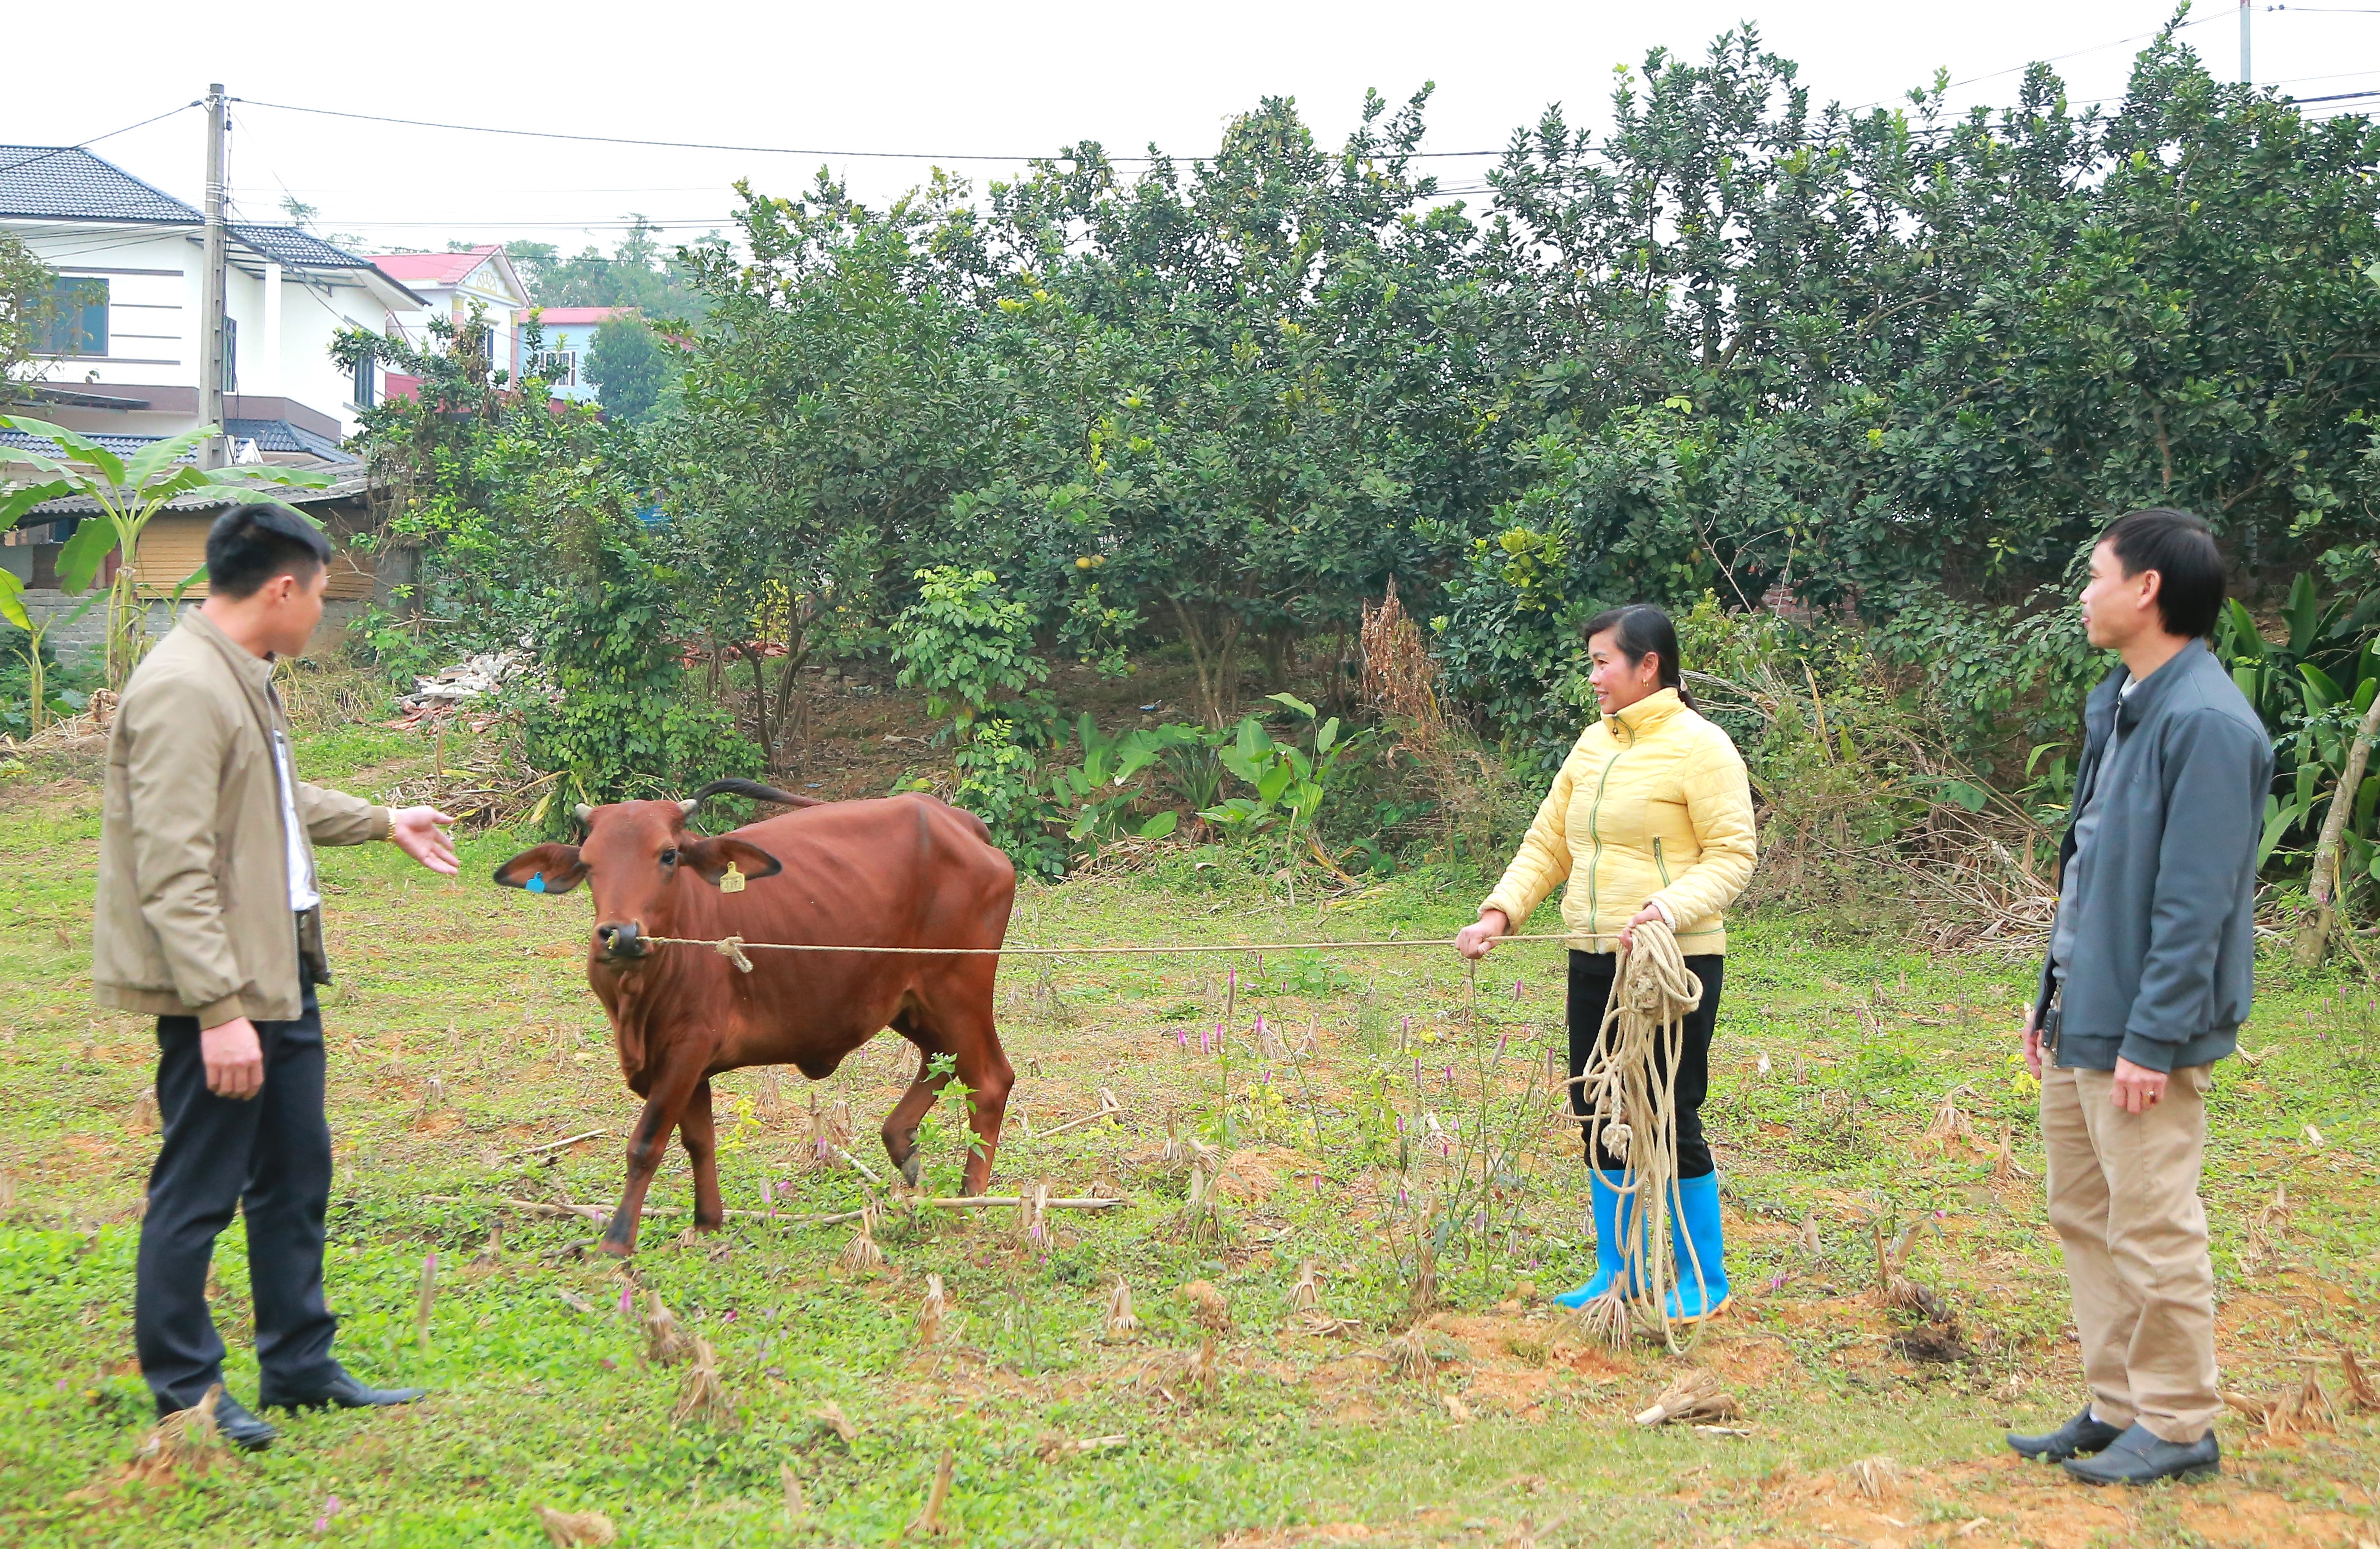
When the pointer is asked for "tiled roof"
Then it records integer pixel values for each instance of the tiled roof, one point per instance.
(294, 248)
(64, 183)
(270, 435)
(437, 269)
(123, 446)
(349, 487)
(279, 435)
(559, 316)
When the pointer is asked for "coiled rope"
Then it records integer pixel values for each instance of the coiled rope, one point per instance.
(1631, 1091)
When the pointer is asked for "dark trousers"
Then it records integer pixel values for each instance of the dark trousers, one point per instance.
(270, 1157)
(1590, 986)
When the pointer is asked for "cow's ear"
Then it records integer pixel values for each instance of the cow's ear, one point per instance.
(709, 858)
(549, 868)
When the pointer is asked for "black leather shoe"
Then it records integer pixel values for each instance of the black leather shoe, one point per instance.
(2079, 1434)
(2140, 1457)
(344, 1392)
(239, 1427)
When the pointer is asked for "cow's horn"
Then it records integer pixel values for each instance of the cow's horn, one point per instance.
(585, 812)
(686, 808)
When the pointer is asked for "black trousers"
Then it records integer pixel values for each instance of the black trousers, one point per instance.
(1590, 986)
(269, 1156)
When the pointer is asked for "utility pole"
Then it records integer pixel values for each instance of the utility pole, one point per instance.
(213, 452)
(2247, 77)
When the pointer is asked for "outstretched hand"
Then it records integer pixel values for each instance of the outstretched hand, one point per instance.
(420, 832)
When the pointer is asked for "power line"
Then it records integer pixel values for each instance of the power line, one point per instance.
(750, 150)
(60, 150)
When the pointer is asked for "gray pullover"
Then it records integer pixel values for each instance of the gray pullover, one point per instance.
(2162, 919)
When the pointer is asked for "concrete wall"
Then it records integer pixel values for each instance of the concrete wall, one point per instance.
(83, 642)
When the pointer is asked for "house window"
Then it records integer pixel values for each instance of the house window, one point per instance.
(367, 382)
(77, 317)
(231, 354)
(558, 366)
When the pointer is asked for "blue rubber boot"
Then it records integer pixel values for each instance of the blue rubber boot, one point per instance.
(1603, 1194)
(1698, 1245)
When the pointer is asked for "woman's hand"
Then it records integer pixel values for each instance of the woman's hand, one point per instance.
(1477, 940)
(1644, 916)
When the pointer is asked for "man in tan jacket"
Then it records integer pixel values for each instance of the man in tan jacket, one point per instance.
(208, 916)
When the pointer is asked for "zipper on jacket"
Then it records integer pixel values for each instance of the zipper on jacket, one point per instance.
(1594, 833)
(1661, 864)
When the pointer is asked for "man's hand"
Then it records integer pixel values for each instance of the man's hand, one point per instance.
(420, 832)
(235, 1060)
(1477, 940)
(2032, 1041)
(1644, 916)
(2137, 1088)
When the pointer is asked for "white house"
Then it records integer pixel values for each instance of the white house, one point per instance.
(127, 342)
(126, 348)
(448, 285)
(569, 339)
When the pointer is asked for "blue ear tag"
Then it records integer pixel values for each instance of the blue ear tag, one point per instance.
(536, 882)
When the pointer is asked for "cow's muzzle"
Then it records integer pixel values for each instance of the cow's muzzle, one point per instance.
(621, 941)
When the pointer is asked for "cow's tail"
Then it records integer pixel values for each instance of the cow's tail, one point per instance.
(754, 790)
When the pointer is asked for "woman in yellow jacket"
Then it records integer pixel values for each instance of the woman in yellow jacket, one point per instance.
(1649, 819)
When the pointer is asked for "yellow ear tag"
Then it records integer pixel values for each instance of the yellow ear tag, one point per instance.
(732, 881)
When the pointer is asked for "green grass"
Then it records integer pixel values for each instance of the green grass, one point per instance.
(461, 1031)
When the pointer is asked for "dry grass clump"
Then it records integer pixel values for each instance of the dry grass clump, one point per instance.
(570, 1529)
(1208, 1306)
(861, 1255)
(2304, 1408)
(700, 1396)
(1122, 1322)
(1609, 1318)
(1198, 1372)
(1895, 1291)
(933, 1313)
(1950, 1122)
(2360, 1391)
(184, 1439)
(1408, 1355)
(2266, 1230)
(1696, 1396)
(830, 1415)
(665, 1341)
(1874, 1477)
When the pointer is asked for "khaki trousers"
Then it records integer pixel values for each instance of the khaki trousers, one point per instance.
(2123, 1195)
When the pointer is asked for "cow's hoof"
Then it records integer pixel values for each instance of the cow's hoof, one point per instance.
(616, 1249)
(913, 1170)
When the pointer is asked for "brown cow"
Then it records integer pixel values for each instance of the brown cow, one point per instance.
(905, 871)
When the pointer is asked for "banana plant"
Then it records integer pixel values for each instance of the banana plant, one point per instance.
(129, 491)
(1291, 783)
(2310, 689)
(1101, 788)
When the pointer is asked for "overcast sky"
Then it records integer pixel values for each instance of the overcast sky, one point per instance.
(946, 79)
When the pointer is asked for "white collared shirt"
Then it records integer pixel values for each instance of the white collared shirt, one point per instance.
(302, 895)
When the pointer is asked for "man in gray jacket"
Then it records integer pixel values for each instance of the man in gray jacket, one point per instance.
(208, 917)
(2148, 978)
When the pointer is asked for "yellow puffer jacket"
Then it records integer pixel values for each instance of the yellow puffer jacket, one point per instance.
(1651, 806)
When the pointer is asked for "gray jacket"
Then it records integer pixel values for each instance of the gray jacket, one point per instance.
(2165, 928)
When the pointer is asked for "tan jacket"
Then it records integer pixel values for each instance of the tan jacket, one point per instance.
(1652, 806)
(193, 915)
